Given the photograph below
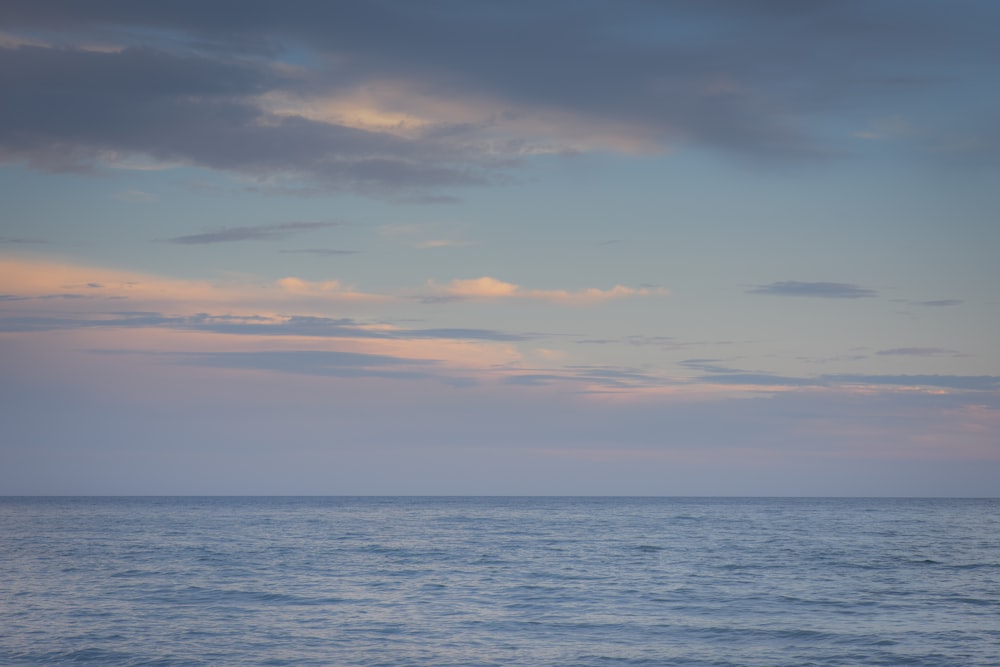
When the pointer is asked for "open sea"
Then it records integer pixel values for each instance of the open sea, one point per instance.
(499, 581)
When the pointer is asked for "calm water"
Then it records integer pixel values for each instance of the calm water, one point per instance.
(499, 581)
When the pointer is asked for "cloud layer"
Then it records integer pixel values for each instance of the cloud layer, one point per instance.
(390, 98)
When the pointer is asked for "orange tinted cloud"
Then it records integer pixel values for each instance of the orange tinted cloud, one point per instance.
(36, 279)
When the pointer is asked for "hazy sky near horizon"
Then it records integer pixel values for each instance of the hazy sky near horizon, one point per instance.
(709, 247)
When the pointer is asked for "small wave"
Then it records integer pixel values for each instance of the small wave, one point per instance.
(973, 601)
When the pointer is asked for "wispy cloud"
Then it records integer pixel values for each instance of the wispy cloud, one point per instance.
(20, 240)
(261, 326)
(315, 362)
(441, 243)
(259, 233)
(988, 383)
(425, 235)
(44, 278)
(330, 252)
(487, 287)
(663, 342)
(821, 290)
(959, 382)
(919, 352)
(708, 366)
(759, 380)
(938, 303)
(326, 289)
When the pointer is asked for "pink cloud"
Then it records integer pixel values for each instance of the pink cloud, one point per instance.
(487, 287)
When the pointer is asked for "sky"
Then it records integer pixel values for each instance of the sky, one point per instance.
(710, 247)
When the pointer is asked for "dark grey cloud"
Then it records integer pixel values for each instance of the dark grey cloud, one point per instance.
(818, 289)
(259, 233)
(752, 79)
(199, 109)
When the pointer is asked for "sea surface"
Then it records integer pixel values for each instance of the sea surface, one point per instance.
(499, 581)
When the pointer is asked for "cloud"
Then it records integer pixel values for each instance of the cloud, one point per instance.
(315, 362)
(709, 366)
(758, 380)
(330, 252)
(663, 342)
(487, 287)
(986, 383)
(425, 235)
(441, 243)
(198, 109)
(47, 278)
(959, 382)
(919, 352)
(325, 289)
(393, 99)
(20, 240)
(181, 295)
(819, 290)
(583, 378)
(938, 303)
(259, 233)
(481, 287)
(719, 374)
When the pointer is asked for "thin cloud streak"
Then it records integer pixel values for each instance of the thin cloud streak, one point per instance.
(938, 303)
(20, 240)
(974, 383)
(329, 252)
(314, 362)
(260, 233)
(488, 288)
(919, 352)
(820, 290)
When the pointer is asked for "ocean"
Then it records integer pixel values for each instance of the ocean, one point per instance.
(462, 581)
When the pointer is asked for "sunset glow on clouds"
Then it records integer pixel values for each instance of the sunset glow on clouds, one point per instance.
(491, 288)
(655, 249)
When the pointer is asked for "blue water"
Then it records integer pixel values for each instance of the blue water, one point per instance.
(499, 581)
